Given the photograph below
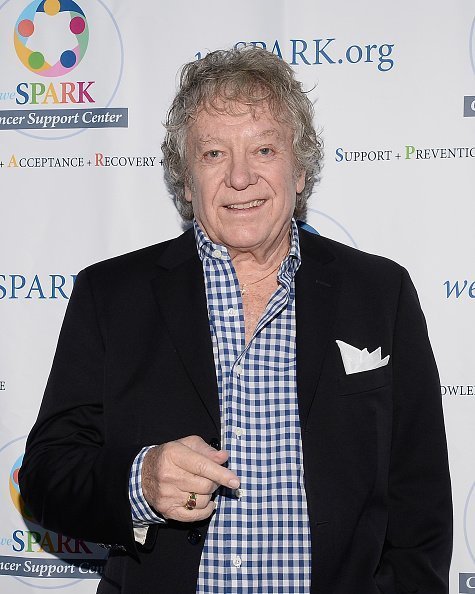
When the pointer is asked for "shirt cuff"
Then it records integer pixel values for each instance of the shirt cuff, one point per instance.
(142, 514)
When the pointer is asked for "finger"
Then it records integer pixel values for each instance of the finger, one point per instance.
(197, 444)
(162, 479)
(172, 476)
(219, 456)
(185, 515)
(201, 500)
(200, 465)
(197, 484)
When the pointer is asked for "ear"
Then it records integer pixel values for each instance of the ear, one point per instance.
(300, 182)
(188, 195)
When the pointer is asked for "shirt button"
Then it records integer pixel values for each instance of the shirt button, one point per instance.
(231, 312)
(239, 493)
(217, 254)
(238, 431)
(238, 369)
(237, 561)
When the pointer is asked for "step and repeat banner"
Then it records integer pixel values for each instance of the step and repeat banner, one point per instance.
(84, 89)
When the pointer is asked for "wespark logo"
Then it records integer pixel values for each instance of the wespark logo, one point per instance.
(325, 51)
(26, 33)
(53, 286)
(459, 289)
(51, 27)
(27, 550)
(61, 69)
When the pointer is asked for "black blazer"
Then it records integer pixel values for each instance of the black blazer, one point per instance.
(134, 366)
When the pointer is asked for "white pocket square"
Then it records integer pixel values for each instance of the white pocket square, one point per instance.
(356, 360)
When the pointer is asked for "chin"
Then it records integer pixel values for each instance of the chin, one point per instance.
(244, 241)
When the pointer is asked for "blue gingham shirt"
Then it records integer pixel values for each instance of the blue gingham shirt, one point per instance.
(259, 537)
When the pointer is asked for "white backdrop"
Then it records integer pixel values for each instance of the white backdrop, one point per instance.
(394, 86)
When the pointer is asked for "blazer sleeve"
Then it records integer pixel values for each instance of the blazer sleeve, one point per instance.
(71, 480)
(419, 534)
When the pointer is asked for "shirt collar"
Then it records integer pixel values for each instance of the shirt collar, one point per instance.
(208, 249)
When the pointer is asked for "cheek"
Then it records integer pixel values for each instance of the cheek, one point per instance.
(203, 200)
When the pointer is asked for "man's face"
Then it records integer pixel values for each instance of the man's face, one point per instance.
(243, 181)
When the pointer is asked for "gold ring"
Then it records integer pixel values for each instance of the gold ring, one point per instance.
(191, 501)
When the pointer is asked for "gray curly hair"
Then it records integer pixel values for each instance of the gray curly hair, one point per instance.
(248, 75)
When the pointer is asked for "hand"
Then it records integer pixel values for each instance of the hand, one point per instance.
(171, 471)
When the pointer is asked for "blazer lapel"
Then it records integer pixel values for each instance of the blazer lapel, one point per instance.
(180, 294)
(316, 285)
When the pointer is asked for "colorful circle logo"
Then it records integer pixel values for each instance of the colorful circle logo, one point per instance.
(15, 491)
(35, 60)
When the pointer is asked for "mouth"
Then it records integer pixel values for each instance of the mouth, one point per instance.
(246, 205)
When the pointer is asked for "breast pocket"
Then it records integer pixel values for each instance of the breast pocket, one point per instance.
(364, 381)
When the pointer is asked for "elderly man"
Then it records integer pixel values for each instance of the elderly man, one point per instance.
(248, 407)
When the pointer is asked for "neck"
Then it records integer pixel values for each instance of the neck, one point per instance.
(251, 266)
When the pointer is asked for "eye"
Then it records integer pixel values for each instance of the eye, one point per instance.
(214, 154)
(265, 151)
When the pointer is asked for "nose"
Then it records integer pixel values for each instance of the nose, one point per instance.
(240, 173)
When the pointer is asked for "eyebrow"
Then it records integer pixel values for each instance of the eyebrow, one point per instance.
(264, 134)
(270, 132)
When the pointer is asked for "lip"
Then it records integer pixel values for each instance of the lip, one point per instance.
(245, 206)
